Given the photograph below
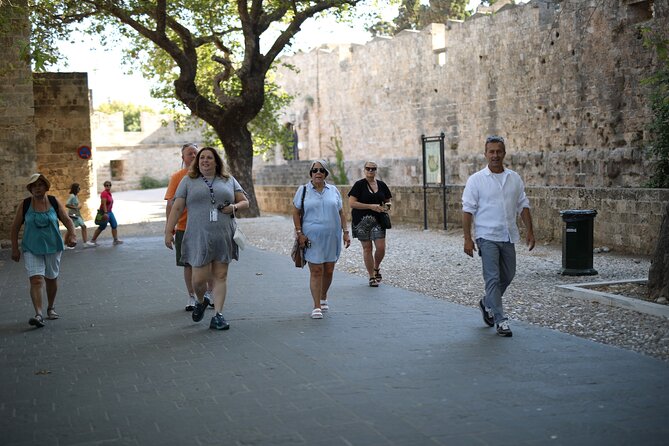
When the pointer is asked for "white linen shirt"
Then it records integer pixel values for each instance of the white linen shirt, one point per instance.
(495, 206)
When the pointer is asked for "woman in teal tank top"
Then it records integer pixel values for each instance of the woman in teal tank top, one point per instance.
(42, 244)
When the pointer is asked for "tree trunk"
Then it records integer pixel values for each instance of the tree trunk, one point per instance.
(658, 276)
(238, 146)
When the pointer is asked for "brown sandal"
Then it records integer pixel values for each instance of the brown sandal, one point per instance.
(373, 282)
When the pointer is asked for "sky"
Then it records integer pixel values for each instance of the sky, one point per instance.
(109, 81)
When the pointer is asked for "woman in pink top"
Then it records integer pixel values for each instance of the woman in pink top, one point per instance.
(106, 203)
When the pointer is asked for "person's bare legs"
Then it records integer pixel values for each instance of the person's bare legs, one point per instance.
(51, 290)
(219, 273)
(368, 257)
(316, 282)
(379, 254)
(36, 283)
(84, 234)
(188, 279)
(328, 272)
(200, 277)
(115, 236)
(96, 234)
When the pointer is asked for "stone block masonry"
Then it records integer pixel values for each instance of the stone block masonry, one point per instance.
(17, 126)
(628, 220)
(561, 81)
(62, 120)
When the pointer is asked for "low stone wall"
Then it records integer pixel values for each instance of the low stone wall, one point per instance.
(628, 220)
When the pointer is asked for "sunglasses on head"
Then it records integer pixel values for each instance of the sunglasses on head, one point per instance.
(318, 169)
(370, 169)
(189, 145)
(494, 138)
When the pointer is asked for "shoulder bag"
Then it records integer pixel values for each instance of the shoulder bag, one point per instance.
(297, 253)
(239, 237)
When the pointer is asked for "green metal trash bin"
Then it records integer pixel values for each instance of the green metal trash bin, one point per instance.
(577, 242)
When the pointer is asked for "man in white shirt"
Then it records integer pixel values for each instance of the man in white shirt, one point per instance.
(493, 198)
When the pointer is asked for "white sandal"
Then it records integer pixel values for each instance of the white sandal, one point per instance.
(317, 313)
(324, 305)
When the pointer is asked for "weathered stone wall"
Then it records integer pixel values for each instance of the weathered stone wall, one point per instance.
(628, 220)
(17, 126)
(561, 80)
(62, 121)
(124, 157)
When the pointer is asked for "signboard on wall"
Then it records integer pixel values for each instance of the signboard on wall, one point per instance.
(434, 170)
(84, 152)
(432, 162)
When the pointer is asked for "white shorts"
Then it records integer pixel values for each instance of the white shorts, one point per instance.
(47, 265)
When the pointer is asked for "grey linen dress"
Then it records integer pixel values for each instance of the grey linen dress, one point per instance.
(205, 241)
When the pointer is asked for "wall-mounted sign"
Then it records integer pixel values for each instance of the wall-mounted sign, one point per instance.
(84, 152)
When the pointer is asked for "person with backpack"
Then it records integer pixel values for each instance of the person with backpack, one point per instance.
(42, 244)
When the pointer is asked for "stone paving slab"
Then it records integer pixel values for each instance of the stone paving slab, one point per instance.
(125, 365)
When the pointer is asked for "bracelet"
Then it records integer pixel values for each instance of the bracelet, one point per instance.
(299, 231)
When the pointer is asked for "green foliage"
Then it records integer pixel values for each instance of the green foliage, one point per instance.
(339, 175)
(658, 84)
(148, 182)
(131, 114)
(414, 14)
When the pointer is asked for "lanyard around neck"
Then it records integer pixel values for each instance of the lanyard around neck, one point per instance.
(211, 188)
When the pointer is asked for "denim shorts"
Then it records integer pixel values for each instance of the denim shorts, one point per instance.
(368, 229)
(47, 265)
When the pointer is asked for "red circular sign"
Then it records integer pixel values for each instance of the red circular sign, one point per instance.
(84, 152)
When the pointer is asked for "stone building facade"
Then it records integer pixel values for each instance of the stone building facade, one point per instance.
(560, 80)
(125, 157)
(44, 118)
(17, 126)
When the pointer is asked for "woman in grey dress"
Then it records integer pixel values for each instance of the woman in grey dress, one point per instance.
(320, 229)
(211, 195)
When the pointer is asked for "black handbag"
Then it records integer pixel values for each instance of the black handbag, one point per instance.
(384, 220)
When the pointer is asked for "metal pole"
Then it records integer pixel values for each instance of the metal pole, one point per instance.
(443, 176)
(422, 138)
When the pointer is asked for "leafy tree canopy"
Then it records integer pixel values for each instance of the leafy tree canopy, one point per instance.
(416, 14)
(658, 85)
(214, 57)
(131, 113)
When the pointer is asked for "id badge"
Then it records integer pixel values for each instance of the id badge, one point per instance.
(213, 214)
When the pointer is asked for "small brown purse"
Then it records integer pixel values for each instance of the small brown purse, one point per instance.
(297, 253)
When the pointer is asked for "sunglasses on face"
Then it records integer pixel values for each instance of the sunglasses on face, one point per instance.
(370, 169)
(318, 169)
(107, 185)
(494, 138)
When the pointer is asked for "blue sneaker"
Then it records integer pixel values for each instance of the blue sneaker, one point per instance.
(218, 322)
(198, 312)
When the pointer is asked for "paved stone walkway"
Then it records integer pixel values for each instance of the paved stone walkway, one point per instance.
(125, 365)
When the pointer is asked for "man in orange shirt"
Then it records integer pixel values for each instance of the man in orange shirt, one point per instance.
(188, 153)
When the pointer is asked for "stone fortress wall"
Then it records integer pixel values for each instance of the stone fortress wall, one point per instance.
(560, 80)
(577, 118)
(125, 157)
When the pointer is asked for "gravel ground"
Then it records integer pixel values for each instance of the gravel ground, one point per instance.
(433, 263)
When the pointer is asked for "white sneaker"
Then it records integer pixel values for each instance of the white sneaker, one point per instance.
(69, 247)
(90, 244)
(207, 295)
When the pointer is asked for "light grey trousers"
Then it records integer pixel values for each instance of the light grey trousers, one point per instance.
(499, 268)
